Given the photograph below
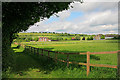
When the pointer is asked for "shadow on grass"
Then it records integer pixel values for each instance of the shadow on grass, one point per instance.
(76, 57)
(24, 61)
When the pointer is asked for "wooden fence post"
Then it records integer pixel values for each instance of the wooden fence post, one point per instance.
(88, 63)
(67, 60)
(118, 67)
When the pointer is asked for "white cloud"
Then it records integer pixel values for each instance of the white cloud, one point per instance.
(106, 17)
(97, 18)
(64, 14)
(101, 0)
(90, 6)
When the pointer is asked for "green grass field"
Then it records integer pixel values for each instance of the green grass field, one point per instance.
(33, 66)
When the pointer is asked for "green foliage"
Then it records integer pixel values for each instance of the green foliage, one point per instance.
(68, 38)
(90, 38)
(53, 32)
(103, 37)
(65, 38)
(7, 59)
(60, 38)
(17, 17)
(83, 38)
(54, 38)
(77, 37)
(117, 37)
(36, 39)
(28, 39)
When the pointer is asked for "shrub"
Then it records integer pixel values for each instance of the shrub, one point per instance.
(69, 39)
(88, 38)
(83, 38)
(117, 37)
(60, 39)
(91, 38)
(54, 39)
(28, 39)
(65, 38)
(103, 37)
(77, 37)
(36, 39)
(53, 32)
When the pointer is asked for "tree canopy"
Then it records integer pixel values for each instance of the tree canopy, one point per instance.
(18, 17)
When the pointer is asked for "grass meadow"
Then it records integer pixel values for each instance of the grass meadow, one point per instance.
(28, 65)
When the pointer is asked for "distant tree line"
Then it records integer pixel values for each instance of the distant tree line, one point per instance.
(117, 37)
(28, 39)
(55, 33)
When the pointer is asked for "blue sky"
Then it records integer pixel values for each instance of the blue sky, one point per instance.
(87, 18)
(52, 19)
(73, 15)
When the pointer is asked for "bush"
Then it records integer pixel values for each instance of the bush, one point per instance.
(53, 32)
(28, 39)
(20, 39)
(65, 38)
(117, 37)
(60, 39)
(36, 39)
(69, 39)
(77, 37)
(91, 38)
(50, 38)
(103, 37)
(88, 38)
(18, 46)
(83, 38)
(54, 39)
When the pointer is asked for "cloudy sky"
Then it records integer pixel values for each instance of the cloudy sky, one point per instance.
(88, 18)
